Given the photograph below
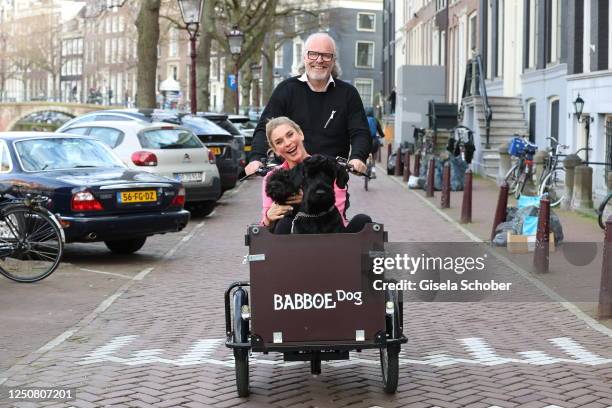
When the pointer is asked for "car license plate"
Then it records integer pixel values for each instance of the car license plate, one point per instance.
(145, 196)
(247, 148)
(216, 150)
(188, 177)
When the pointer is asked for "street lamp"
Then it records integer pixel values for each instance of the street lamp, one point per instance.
(256, 73)
(190, 12)
(235, 38)
(578, 107)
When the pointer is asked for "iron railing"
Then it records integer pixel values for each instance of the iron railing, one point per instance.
(474, 85)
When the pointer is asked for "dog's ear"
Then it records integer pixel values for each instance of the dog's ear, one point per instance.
(342, 176)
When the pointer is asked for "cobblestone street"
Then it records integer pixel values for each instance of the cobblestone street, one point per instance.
(161, 340)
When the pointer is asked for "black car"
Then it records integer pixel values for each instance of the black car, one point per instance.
(228, 148)
(95, 196)
(221, 119)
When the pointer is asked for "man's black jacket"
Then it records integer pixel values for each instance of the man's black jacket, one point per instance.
(348, 128)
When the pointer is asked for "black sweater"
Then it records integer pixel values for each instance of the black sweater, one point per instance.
(312, 110)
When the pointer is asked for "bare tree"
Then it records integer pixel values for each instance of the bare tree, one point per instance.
(147, 25)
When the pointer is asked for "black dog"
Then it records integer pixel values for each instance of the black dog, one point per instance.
(317, 214)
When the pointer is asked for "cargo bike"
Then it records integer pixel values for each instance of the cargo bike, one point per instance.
(312, 298)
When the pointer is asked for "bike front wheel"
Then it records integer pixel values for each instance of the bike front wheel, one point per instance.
(512, 178)
(31, 244)
(554, 185)
(604, 211)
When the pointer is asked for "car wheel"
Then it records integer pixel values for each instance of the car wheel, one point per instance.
(125, 246)
(202, 209)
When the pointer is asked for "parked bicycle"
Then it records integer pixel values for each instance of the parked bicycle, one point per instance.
(604, 211)
(31, 238)
(517, 176)
(552, 179)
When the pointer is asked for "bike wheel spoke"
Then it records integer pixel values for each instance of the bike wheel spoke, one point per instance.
(34, 247)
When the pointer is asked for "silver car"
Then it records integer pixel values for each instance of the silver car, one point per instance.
(165, 149)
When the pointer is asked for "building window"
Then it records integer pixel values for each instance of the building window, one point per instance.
(278, 57)
(532, 121)
(440, 5)
(554, 121)
(608, 157)
(173, 46)
(490, 48)
(472, 32)
(609, 37)
(603, 28)
(500, 39)
(532, 34)
(365, 88)
(364, 54)
(366, 22)
(553, 23)
(297, 54)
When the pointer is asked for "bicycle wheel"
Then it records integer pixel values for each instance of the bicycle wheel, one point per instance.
(553, 185)
(604, 211)
(512, 178)
(31, 244)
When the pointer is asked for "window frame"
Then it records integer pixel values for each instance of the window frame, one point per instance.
(373, 29)
(357, 54)
(552, 100)
(370, 81)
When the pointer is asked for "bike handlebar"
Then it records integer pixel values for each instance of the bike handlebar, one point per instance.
(266, 168)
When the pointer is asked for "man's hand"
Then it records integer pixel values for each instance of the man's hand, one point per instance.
(358, 166)
(278, 211)
(252, 167)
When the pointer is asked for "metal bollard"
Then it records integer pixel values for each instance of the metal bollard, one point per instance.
(500, 210)
(378, 154)
(406, 174)
(604, 311)
(389, 150)
(466, 205)
(446, 187)
(398, 162)
(431, 171)
(417, 165)
(542, 246)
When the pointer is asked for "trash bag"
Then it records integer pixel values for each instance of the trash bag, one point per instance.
(421, 183)
(413, 182)
(458, 169)
(511, 213)
(438, 167)
(532, 211)
(501, 233)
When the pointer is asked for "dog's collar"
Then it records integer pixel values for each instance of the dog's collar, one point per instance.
(302, 214)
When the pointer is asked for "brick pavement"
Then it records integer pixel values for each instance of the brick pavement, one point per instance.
(507, 354)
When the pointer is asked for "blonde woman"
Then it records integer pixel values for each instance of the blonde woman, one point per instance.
(286, 139)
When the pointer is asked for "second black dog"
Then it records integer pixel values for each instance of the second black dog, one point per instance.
(317, 213)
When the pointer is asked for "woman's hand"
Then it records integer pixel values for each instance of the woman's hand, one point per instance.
(278, 211)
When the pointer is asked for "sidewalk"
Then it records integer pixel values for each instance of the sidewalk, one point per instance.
(577, 284)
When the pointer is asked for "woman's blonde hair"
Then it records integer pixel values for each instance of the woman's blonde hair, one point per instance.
(276, 122)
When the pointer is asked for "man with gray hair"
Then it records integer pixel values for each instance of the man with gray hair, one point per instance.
(328, 110)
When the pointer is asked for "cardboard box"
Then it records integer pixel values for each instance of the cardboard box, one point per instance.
(522, 244)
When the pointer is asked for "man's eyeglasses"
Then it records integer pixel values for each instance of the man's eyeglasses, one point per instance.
(325, 56)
